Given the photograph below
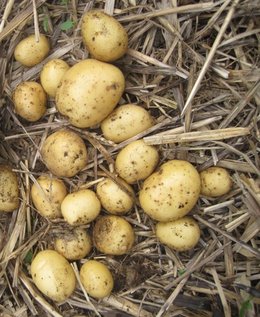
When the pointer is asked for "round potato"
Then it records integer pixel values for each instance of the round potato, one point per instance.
(9, 190)
(52, 74)
(30, 101)
(89, 91)
(64, 153)
(181, 234)
(96, 278)
(47, 194)
(104, 37)
(30, 52)
(125, 122)
(80, 207)
(215, 182)
(171, 192)
(113, 235)
(136, 161)
(53, 275)
(113, 198)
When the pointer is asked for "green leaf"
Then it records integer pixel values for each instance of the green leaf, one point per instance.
(245, 306)
(46, 24)
(181, 272)
(28, 257)
(64, 2)
(67, 25)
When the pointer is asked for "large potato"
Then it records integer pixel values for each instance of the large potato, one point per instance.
(171, 192)
(104, 37)
(89, 91)
(9, 190)
(64, 153)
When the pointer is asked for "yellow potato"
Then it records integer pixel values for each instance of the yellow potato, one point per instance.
(104, 37)
(89, 91)
(64, 153)
(47, 194)
(181, 234)
(29, 52)
(30, 101)
(80, 207)
(96, 278)
(136, 161)
(125, 122)
(52, 74)
(171, 192)
(9, 190)
(53, 275)
(215, 181)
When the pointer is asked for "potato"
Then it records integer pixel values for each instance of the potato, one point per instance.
(30, 52)
(181, 234)
(125, 122)
(52, 74)
(47, 194)
(9, 190)
(96, 278)
(89, 91)
(53, 275)
(64, 153)
(171, 192)
(104, 37)
(30, 101)
(113, 198)
(215, 181)
(113, 235)
(73, 245)
(80, 207)
(136, 161)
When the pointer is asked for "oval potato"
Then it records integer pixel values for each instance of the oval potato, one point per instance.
(9, 190)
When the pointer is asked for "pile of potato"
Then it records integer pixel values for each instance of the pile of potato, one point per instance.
(87, 94)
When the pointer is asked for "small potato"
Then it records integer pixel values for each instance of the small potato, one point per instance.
(52, 74)
(73, 245)
(47, 194)
(64, 153)
(113, 198)
(181, 235)
(125, 122)
(80, 207)
(30, 101)
(96, 278)
(53, 275)
(136, 161)
(104, 37)
(215, 182)
(29, 52)
(9, 190)
(113, 235)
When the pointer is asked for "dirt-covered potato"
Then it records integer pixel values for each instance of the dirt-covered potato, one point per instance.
(30, 101)
(53, 275)
(105, 38)
(89, 91)
(125, 122)
(113, 198)
(96, 278)
(47, 194)
(171, 192)
(51, 75)
(9, 190)
(64, 153)
(80, 207)
(113, 235)
(181, 234)
(215, 181)
(30, 52)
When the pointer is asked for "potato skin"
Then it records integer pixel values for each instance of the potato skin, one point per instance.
(9, 190)
(64, 153)
(30, 101)
(171, 192)
(89, 91)
(105, 38)
(29, 52)
(53, 275)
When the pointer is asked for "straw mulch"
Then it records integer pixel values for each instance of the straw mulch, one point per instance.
(195, 66)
